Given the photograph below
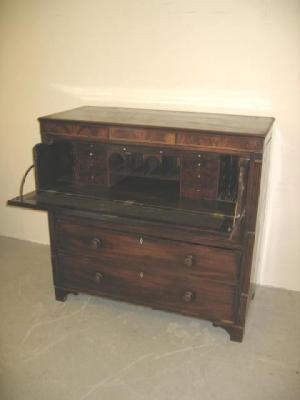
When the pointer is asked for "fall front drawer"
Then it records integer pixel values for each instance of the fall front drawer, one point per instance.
(123, 248)
(150, 286)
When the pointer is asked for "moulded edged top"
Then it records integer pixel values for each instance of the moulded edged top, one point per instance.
(242, 125)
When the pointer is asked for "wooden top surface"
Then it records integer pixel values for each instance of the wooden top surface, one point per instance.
(205, 122)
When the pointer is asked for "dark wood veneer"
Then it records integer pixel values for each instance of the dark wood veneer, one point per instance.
(152, 207)
(200, 122)
(161, 288)
(117, 247)
(77, 130)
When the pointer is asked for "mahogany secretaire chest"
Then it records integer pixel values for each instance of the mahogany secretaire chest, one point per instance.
(152, 207)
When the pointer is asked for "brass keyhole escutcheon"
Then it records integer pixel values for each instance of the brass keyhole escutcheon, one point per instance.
(141, 275)
(189, 260)
(141, 240)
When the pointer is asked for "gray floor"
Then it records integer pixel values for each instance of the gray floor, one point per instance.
(90, 348)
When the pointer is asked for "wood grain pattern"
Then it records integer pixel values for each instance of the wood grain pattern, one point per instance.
(229, 142)
(74, 130)
(137, 284)
(142, 136)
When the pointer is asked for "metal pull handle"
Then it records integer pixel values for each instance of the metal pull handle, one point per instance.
(190, 260)
(188, 296)
(95, 243)
(98, 277)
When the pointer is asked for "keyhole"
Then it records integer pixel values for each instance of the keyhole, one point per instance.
(141, 275)
(141, 240)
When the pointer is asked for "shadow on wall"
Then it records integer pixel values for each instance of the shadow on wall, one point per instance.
(251, 103)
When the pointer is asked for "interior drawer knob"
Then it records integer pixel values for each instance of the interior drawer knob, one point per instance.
(188, 296)
(98, 277)
(95, 243)
(190, 260)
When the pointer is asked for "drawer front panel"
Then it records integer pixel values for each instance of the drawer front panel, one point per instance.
(189, 296)
(75, 130)
(221, 142)
(182, 258)
(90, 154)
(142, 135)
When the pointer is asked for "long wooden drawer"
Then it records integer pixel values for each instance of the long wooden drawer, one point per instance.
(220, 141)
(141, 135)
(138, 284)
(122, 248)
(74, 130)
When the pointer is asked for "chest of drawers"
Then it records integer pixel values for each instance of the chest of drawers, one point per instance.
(152, 207)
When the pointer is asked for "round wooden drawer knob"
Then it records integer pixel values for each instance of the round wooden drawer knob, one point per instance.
(98, 277)
(189, 260)
(95, 243)
(188, 296)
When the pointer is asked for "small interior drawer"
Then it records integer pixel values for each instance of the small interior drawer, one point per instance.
(90, 151)
(200, 175)
(90, 165)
